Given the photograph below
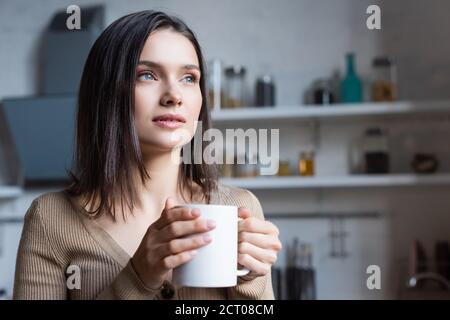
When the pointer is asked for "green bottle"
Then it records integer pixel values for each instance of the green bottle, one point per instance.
(351, 86)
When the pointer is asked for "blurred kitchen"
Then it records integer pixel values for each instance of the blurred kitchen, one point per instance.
(362, 189)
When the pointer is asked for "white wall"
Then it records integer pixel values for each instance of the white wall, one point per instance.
(300, 41)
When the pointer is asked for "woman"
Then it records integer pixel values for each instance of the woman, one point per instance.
(114, 233)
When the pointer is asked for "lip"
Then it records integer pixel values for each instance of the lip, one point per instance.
(169, 121)
(170, 117)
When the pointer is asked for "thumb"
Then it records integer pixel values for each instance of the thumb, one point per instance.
(169, 203)
(243, 212)
(162, 221)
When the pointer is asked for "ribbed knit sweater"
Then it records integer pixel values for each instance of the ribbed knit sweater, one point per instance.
(57, 234)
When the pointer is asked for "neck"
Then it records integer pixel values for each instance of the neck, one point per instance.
(164, 175)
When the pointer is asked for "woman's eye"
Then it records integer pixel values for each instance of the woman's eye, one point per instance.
(146, 77)
(190, 79)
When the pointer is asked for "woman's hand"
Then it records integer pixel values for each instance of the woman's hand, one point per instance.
(162, 248)
(258, 243)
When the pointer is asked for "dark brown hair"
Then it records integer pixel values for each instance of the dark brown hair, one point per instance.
(107, 145)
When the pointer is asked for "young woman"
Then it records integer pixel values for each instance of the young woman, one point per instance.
(114, 233)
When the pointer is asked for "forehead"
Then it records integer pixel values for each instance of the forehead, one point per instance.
(168, 47)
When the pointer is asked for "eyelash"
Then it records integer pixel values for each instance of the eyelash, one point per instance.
(194, 77)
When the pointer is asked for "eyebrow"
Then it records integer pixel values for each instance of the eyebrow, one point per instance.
(152, 64)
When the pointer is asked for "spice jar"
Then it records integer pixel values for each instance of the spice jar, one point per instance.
(283, 168)
(376, 153)
(322, 92)
(226, 168)
(235, 87)
(214, 84)
(384, 82)
(250, 166)
(306, 163)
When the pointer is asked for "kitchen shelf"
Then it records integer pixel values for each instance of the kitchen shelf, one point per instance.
(10, 220)
(354, 181)
(10, 192)
(323, 215)
(308, 112)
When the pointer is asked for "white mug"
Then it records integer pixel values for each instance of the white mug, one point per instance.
(215, 264)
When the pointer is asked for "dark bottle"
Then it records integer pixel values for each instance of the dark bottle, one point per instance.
(265, 91)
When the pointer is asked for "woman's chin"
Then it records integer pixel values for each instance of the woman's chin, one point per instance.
(162, 145)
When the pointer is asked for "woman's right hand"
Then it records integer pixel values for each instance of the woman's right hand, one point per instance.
(163, 247)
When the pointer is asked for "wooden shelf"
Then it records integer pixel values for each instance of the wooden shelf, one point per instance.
(354, 181)
(10, 192)
(308, 112)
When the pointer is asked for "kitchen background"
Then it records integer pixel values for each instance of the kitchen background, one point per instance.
(361, 183)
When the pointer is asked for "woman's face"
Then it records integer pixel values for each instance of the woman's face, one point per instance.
(167, 84)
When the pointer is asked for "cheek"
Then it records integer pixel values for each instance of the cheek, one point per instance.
(195, 105)
(194, 110)
(143, 106)
(139, 103)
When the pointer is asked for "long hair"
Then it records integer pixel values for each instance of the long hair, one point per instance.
(107, 145)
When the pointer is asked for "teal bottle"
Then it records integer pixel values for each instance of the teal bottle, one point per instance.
(351, 86)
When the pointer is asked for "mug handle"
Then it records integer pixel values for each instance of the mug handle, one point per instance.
(243, 271)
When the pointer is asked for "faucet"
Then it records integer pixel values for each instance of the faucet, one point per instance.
(413, 280)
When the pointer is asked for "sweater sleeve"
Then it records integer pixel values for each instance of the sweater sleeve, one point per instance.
(128, 286)
(249, 286)
(38, 275)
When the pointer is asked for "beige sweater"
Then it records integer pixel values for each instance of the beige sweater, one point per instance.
(57, 234)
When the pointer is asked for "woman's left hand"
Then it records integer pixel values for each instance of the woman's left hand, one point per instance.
(258, 243)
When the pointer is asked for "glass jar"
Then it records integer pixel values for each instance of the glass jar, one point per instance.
(384, 87)
(235, 87)
(214, 84)
(306, 163)
(323, 93)
(227, 168)
(250, 166)
(376, 151)
(283, 168)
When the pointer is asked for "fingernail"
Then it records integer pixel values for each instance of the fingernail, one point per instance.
(193, 252)
(195, 212)
(207, 238)
(210, 223)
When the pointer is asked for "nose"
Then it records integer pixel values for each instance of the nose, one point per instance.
(171, 98)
